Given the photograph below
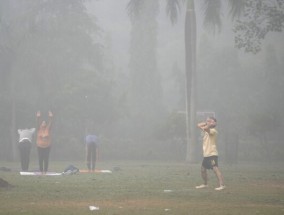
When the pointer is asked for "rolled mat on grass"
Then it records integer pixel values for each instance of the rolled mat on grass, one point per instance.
(57, 173)
(39, 173)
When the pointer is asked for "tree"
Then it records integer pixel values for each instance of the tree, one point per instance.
(43, 44)
(212, 19)
(259, 18)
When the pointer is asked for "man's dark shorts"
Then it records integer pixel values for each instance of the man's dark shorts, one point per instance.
(210, 162)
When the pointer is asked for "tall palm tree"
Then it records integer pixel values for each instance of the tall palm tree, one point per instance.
(212, 20)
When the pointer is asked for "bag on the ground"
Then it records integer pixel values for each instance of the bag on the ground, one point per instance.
(70, 170)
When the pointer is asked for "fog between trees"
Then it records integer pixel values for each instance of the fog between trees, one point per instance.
(95, 68)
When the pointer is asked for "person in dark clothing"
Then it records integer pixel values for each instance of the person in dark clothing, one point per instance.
(91, 141)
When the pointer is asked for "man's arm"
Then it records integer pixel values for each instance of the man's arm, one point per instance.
(50, 116)
(38, 115)
(204, 126)
(201, 124)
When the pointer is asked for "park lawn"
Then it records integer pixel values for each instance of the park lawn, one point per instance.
(139, 188)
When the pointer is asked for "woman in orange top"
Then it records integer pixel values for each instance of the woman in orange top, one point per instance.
(43, 141)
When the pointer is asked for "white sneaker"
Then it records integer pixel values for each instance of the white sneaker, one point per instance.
(222, 187)
(201, 186)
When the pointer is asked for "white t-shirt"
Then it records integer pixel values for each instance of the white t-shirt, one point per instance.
(26, 134)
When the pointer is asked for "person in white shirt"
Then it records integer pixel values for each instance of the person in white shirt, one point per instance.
(25, 145)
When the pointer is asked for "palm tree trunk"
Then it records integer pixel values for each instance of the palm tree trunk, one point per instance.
(190, 68)
(13, 120)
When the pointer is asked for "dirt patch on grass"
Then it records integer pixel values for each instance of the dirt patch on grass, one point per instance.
(140, 203)
(144, 206)
(119, 204)
(269, 184)
(124, 203)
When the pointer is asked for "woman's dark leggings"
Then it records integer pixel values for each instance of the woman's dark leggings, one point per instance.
(25, 150)
(43, 157)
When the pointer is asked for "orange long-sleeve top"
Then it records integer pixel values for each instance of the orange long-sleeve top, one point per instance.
(44, 134)
(43, 137)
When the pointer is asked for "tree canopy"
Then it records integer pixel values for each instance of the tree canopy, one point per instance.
(259, 18)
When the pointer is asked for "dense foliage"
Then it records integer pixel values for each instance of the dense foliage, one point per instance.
(53, 56)
(259, 19)
(51, 60)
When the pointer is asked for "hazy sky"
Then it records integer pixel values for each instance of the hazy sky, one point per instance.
(112, 18)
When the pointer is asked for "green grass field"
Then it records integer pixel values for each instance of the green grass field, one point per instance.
(138, 188)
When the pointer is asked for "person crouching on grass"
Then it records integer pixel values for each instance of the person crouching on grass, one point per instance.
(210, 153)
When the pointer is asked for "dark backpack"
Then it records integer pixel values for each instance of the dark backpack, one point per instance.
(70, 170)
